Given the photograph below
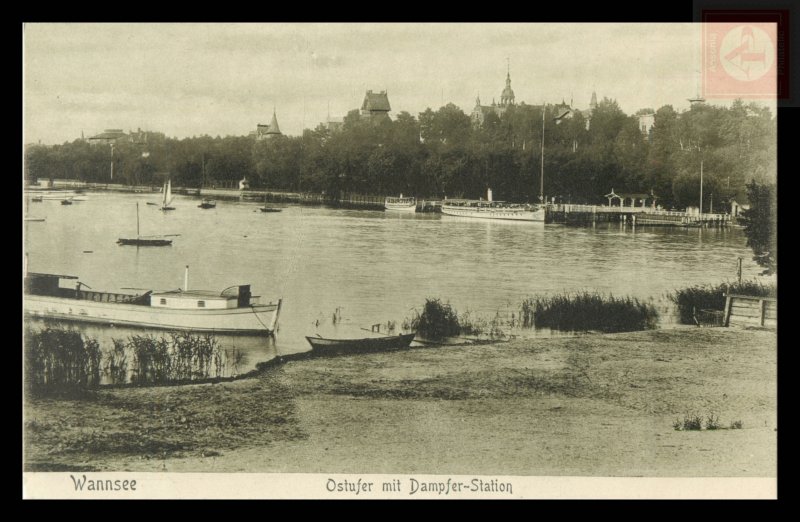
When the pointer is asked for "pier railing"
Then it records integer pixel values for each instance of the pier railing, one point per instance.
(106, 297)
(587, 214)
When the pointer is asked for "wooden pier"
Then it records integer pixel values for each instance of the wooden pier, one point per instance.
(587, 215)
(346, 200)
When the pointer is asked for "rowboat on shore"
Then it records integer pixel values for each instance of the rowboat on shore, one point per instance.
(232, 311)
(323, 346)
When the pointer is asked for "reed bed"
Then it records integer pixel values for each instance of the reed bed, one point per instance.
(691, 300)
(440, 320)
(588, 312)
(60, 359)
(437, 321)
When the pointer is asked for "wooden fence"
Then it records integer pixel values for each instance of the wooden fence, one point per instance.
(743, 310)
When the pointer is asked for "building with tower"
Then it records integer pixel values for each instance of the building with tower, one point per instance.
(375, 106)
(268, 131)
(507, 99)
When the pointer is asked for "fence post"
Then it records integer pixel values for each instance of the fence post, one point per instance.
(763, 307)
(727, 314)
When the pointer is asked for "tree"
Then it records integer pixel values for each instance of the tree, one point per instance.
(760, 226)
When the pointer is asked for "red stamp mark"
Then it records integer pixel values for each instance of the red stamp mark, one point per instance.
(744, 54)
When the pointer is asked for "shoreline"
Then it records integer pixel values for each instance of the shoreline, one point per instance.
(595, 405)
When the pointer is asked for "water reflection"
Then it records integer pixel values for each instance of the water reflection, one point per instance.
(236, 354)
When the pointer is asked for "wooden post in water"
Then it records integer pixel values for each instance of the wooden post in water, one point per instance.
(739, 271)
(726, 315)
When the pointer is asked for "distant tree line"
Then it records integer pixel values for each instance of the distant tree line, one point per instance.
(440, 153)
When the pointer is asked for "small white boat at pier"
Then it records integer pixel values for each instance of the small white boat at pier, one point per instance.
(408, 204)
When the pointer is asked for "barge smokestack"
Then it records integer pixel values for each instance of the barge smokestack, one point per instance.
(186, 279)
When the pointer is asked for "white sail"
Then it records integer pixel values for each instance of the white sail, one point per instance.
(167, 193)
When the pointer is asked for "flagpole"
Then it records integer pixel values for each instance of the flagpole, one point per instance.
(541, 179)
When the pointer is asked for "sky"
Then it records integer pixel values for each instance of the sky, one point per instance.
(222, 79)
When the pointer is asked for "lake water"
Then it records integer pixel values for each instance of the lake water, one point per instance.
(372, 266)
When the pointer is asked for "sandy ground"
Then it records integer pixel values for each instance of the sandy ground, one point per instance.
(595, 405)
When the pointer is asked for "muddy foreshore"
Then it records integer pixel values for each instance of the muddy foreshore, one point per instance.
(601, 405)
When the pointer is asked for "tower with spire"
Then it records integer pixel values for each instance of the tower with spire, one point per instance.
(507, 100)
(507, 96)
(269, 131)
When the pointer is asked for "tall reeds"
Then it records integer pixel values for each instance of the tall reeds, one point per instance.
(440, 320)
(437, 321)
(689, 301)
(57, 358)
(182, 357)
(588, 311)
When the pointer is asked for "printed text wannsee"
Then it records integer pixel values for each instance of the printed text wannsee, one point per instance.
(82, 483)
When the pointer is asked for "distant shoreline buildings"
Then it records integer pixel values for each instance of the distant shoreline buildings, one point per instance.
(376, 107)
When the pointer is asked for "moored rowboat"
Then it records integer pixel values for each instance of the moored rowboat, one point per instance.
(323, 346)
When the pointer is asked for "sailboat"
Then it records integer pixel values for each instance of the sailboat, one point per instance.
(144, 240)
(207, 202)
(265, 208)
(167, 196)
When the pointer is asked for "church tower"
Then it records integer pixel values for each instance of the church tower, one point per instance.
(507, 97)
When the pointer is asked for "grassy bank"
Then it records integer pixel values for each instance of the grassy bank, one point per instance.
(587, 405)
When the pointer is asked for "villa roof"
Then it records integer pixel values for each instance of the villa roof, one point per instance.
(376, 101)
(109, 135)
